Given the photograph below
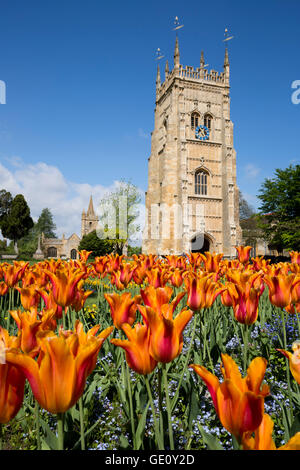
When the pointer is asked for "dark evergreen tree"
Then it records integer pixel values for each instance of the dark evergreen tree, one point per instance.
(17, 222)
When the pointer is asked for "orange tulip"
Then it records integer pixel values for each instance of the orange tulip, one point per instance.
(58, 377)
(100, 265)
(80, 299)
(50, 303)
(262, 439)
(12, 381)
(294, 360)
(29, 323)
(122, 277)
(211, 261)
(123, 308)
(244, 292)
(29, 296)
(177, 277)
(295, 257)
(157, 297)
(83, 255)
(64, 284)
(281, 288)
(137, 348)
(3, 288)
(239, 402)
(201, 291)
(158, 277)
(166, 339)
(13, 272)
(243, 253)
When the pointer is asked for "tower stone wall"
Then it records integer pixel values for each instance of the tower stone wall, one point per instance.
(175, 212)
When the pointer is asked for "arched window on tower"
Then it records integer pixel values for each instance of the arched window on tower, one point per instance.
(195, 120)
(201, 181)
(208, 121)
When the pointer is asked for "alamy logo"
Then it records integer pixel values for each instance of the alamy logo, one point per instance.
(296, 94)
(2, 92)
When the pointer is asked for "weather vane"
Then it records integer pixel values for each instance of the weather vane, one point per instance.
(227, 37)
(177, 25)
(159, 54)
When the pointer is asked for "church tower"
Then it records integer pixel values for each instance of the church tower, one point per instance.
(192, 201)
(89, 219)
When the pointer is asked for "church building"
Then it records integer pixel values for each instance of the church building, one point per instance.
(67, 247)
(192, 201)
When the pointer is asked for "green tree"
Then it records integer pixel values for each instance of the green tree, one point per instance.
(46, 224)
(118, 215)
(98, 246)
(280, 209)
(245, 209)
(17, 222)
(6, 200)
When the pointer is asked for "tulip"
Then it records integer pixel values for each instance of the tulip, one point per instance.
(29, 296)
(123, 308)
(100, 265)
(158, 277)
(176, 278)
(137, 348)
(12, 380)
(83, 255)
(244, 293)
(50, 303)
(243, 253)
(294, 360)
(58, 377)
(13, 273)
(202, 291)
(166, 339)
(281, 288)
(122, 276)
(211, 261)
(3, 288)
(64, 285)
(239, 402)
(29, 324)
(262, 439)
(156, 297)
(295, 257)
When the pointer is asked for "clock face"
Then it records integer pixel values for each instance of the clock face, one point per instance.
(202, 132)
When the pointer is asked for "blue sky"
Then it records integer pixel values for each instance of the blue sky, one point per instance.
(80, 91)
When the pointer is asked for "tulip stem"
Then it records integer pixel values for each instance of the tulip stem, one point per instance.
(165, 380)
(60, 430)
(37, 424)
(287, 366)
(245, 334)
(1, 436)
(158, 438)
(81, 423)
(130, 406)
(185, 365)
(161, 416)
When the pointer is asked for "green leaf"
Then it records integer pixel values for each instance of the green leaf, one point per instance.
(211, 441)
(140, 431)
(50, 438)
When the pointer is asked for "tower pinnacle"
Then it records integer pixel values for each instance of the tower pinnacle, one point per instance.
(176, 54)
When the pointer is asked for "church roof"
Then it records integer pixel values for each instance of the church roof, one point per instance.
(90, 211)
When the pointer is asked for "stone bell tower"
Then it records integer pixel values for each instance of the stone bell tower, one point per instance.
(192, 201)
(89, 220)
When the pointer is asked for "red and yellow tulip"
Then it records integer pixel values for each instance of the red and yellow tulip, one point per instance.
(239, 402)
(58, 376)
(137, 348)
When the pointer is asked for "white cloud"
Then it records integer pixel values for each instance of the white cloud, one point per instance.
(252, 171)
(44, 186)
